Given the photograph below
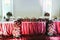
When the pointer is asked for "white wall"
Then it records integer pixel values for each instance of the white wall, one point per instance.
(32, 8)
(26, 8)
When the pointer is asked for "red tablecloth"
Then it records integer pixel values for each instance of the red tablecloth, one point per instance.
(6, 28)
(41, 27)
(57, 24)
(33, 27)
(58, 27)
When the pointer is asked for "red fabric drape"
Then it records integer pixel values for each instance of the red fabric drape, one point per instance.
(33, 27)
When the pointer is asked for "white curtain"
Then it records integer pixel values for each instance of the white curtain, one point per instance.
(0, 9)
(46, 6)
(7, 6)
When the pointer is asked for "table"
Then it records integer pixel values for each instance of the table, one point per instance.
(57, 25)
(6, 28)
(33, 27)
